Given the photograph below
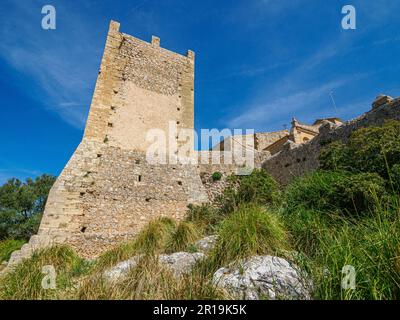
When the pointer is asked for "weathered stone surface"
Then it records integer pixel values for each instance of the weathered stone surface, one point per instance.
(206, 244)
(121, 270)
(179, 263)
(263, 277)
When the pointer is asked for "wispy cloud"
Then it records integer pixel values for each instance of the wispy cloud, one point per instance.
(259, 115)
(59, 61)
(22, 174)
(305, 89)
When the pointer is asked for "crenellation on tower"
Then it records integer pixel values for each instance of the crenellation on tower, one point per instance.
(108, 190)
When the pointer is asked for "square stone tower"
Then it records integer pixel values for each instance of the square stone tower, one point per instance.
(108, 190)
(141, 86)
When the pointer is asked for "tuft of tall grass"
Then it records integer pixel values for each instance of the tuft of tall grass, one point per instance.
(250, 230)
(150, 280)
(151, 239)
(184, 235)
(371, 245)
(25, 280)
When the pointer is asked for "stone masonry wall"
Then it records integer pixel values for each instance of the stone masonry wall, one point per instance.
(108, 190)
(295, 160)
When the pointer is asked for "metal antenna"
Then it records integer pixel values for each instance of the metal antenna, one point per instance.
(333, 101)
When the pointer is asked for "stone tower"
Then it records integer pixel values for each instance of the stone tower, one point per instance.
(108, 190)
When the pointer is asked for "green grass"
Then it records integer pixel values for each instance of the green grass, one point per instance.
(371, 245)
(184, 235)
(336, 192)
(152, 239)
(9, 246)
(251, 230)
(25, 281)
(150, 280)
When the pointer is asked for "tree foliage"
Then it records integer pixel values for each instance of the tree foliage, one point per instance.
(372, 149)
(21, 206)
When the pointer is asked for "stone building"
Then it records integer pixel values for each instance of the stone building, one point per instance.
(108, 190)
(295, 159)
(273, 142)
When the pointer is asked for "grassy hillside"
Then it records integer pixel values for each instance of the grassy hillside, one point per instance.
(347, 213)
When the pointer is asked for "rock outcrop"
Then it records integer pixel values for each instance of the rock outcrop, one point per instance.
(179, 263)
(206, 244)
(264, 277)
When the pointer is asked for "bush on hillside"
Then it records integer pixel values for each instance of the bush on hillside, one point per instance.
(204, 216)
(372, 149)
(251, 230)
(216, 176)
(335, 191)
(395, 177)
(258, 187)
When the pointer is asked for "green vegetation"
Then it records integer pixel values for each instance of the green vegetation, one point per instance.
(336, 191)
(258, 187)
(373, 149)
(216, 176)
(251, 230)
(346, 213)
(22, 205)
(25, 282)
(7, 247)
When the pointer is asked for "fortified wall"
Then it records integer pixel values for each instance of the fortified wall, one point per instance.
(296, 159)
(108, 190)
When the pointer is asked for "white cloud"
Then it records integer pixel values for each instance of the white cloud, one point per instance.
(61, 62)
(258, 115)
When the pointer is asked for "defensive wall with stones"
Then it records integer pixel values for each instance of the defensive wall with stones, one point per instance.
(296, 159)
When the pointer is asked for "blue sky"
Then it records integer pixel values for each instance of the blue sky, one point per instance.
(258, 63)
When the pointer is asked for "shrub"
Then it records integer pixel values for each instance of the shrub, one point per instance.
(258, 187)
(359, 192)
(251, 230)
(395, 177)
(372, 149)
(216, 176)
(336, 191)
(205, 217)
(9, 246)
